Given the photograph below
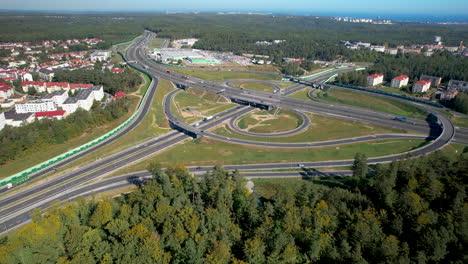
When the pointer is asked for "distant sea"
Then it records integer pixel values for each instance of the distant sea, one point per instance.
(425, 18)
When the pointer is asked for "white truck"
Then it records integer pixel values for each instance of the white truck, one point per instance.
(208, 118)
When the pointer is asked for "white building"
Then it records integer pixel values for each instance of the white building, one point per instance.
(35, 106)
(6, 90)
(98, 92)
(59, 114)
(2, 120)
(57, 86)
(421, 86)
(15, 119)
(57, 97)
(40, 87)
(84, 99)
(100, 55)
(391, 51)
(375, 79)
(400, 81)
(459, 85)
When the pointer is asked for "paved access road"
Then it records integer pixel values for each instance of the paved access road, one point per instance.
(25, 201)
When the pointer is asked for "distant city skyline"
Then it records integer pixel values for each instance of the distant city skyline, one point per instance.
(429, 7)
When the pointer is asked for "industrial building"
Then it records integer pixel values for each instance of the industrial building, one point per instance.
(190, 55)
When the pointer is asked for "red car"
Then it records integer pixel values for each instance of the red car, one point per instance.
(168, 71)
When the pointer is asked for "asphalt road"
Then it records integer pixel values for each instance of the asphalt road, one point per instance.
(138, 178)
(17, 206)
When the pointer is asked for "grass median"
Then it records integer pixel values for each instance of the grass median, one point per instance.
(206, 151)
(227, 75)
(321, 128)
(255, 86)
(194, 105)
(376, 103)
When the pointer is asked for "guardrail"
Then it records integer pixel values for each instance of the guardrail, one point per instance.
(24, 175)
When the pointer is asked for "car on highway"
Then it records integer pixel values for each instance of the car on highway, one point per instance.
(300, 165)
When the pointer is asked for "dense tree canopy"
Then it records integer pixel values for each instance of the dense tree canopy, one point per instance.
(411, 211)
(126, 81)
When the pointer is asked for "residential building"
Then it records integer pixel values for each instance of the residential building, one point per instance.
(2, 120)
(57, 97)
(16, 119)
(400, 81)
(119, 94)
(459, 85)
(447, 95)
(80, 86)
(421, 86)
(35, 106)
(57, 86)
(18, 98)
(84, 99)
(7, 103)
(117, 70)
(391, 51)
(46, 74)
(98, 92)
(59, 114)
(435, 81)
(6, 90)
(40, 87)
(100, 55)
(375, 79)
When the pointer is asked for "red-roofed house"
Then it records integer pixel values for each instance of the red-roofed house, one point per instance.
(39, 86)
(119, 94)
(58, 114)
(57, 86)
(117, 70)
(9, 78)
(374, 79)
(421, 86)
(400, 81)
(80, 85)
(6, 90)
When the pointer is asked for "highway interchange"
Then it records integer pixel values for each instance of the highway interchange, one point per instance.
(15, 208)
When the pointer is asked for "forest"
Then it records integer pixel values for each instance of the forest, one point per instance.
(27, 139)
(306, 37)
(126, 81)
(409, 211)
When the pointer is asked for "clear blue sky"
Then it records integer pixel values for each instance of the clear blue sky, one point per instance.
(318, 6)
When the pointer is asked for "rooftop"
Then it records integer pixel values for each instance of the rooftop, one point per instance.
(375, 75)
(50, 113)
(401, 77)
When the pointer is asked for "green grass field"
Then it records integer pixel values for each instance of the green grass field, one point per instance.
(156, 43)
(273, 121)
(207, 151)
(256, 86)
(227, 75)
(376, 103)
(322, 128)
(460, 121)
(392, 90)
(194, 105)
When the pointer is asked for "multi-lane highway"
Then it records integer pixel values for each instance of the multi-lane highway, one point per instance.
(15, 208)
